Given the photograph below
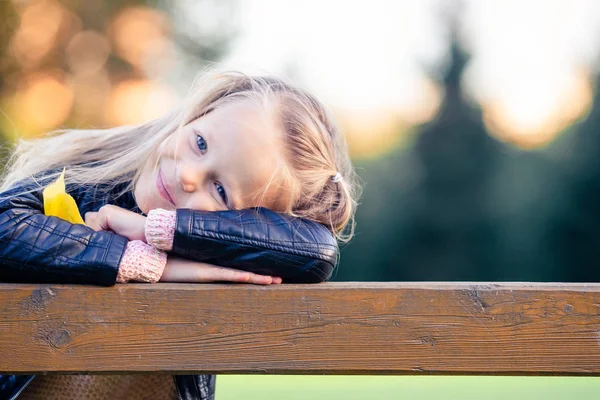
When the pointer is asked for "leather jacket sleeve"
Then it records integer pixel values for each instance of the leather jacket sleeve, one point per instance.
(38, 248)
(257, 240)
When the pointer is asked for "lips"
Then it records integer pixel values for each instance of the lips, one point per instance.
(162, 188)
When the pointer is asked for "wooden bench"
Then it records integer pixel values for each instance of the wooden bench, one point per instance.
(332, 328)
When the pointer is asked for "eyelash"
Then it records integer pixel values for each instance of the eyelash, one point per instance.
(222, 193)
(203, 141)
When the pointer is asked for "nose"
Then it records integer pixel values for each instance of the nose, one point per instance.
(192, 179)
(187, 176)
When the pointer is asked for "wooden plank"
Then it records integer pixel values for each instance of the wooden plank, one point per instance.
(334, 328)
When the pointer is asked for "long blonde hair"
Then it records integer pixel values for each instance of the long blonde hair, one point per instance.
(315, 150)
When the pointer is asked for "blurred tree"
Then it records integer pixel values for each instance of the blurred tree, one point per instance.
(8, 16)
(524, 191)
(461, 206)
(426, 212)
(573, 228)
(102, 63)
(449, 233)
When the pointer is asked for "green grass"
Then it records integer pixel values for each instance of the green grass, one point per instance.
(264, 387)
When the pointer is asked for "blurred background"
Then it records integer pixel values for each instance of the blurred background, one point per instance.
(475, 125)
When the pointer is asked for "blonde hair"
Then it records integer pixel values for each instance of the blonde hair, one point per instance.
(314, 148)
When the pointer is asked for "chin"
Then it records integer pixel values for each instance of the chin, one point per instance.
(143, 201)
(144, 207)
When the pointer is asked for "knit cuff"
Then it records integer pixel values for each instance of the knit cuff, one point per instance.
(160, 228)
(141, 263)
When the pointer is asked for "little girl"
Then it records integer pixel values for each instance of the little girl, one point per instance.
(249, 181)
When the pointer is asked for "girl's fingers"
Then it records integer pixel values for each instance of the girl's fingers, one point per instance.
(178, 270)
(89, 217)
(214, 273)
(91, 220)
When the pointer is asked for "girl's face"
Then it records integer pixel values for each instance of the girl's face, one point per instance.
(219, 161)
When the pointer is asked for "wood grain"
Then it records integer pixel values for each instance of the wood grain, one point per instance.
(333, 328)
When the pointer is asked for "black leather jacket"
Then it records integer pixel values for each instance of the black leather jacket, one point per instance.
(38, 248)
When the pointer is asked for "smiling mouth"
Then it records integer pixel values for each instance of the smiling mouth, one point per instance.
(162, 188)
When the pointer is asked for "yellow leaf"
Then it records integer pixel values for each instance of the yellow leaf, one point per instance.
(58, 203)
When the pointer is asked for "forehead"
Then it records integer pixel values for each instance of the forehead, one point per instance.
(246, 140)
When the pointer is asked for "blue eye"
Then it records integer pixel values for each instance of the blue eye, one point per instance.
(222, 193)
(201, 143)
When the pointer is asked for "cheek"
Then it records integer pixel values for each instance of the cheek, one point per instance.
(168, 146)
(201, 201)
(143, 192)
(177, 149)
(164, 148)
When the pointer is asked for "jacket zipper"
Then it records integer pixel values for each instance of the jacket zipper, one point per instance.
(23, 388)
(177, 388)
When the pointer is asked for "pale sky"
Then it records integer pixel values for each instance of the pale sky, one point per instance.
(368, 54)
(370, 61)
(354, 54)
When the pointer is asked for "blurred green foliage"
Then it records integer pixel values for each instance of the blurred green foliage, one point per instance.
(460, 205)
(252, 387)
(96, 63)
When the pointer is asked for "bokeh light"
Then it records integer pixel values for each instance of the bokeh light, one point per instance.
(374, 131)
(140, 35)
(36, 35)
(528, 66)
(42, 102)
(532, 114)
(87, 52)
(371, 62)
(136, 101)
(92, 92)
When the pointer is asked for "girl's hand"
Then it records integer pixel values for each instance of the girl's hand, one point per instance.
(118, 220)
(183, 270)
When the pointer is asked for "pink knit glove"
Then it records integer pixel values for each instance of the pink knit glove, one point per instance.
(160, 228)
(141, 263)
